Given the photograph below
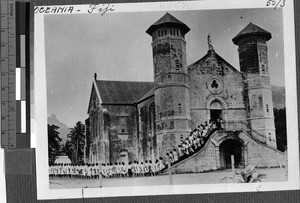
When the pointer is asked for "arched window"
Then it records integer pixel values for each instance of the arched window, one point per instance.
(158, 113)
(177, 64)
(152, 116)
(179, 108)
(263, 69)
(122, 124)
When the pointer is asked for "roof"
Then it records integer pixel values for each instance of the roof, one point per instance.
(147, 95)
(168, 20)
(249, 30)
(122, 92)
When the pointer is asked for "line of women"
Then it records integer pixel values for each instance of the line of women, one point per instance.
(133, 169)
(108, 170)
(74, 171)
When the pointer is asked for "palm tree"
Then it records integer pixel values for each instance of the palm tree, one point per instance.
(53, 139)
(53, 142)
(77, 138)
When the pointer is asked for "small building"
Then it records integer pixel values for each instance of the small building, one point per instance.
(144, 120)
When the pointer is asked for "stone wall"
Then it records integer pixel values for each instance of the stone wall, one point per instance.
(147, 130)
(213, 79)
(120, 127)
(96, 136)
(204, 160)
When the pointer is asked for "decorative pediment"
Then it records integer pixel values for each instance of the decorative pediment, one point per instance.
(212, 64)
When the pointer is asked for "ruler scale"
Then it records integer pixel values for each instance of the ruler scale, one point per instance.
(15, 89)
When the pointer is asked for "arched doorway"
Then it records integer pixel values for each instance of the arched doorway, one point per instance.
(216, 110)
(123, 156)
(231, 147)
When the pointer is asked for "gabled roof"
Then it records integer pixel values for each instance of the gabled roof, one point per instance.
(168, 20)
(96, 92)
(219, 58)
(122, 92)
(249, 30)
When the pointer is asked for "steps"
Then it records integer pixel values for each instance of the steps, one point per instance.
(204, 154)
(206, 141)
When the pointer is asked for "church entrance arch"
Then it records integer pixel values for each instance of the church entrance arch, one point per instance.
(231, 147)
(216, 111)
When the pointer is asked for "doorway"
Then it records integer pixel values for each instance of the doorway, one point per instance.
(231, 147)
(123, 156)
(215, 114)
(215, 111)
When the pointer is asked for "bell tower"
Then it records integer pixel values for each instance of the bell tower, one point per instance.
(171, 88)
(253, 57)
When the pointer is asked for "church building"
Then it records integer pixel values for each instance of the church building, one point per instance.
(141, 121)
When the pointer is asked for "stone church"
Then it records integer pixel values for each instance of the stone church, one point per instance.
(144, 120)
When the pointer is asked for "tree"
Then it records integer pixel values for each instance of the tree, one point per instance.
(77, 140)
(66, 150)
(53, 142)
(280, 125)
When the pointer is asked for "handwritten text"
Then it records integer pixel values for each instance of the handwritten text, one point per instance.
(276, 3)
(100, 8)
(54, 9)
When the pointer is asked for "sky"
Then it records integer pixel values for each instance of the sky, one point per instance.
(116, 47)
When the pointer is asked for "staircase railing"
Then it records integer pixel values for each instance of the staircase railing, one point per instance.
(242, 126)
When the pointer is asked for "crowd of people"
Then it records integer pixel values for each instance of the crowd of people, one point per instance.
(193, 143)
(74, 170)
(108, 170)
(188, 146)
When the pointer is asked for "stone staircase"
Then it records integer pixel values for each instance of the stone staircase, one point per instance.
(228, 127)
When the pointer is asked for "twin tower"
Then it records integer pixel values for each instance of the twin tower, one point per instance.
(171, 80)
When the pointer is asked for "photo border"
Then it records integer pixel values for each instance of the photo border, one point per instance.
(39, 126)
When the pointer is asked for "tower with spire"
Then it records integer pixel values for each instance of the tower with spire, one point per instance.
(253, 57)
(171, 88)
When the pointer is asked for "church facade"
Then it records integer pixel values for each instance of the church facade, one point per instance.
(144, 120)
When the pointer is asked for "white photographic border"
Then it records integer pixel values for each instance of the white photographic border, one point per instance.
(39, 124)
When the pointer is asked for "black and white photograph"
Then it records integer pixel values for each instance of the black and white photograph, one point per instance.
(166, 98)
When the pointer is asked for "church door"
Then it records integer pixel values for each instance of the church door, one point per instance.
(215, 111)
(215, 114)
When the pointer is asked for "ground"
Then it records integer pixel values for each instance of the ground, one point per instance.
(272, 175)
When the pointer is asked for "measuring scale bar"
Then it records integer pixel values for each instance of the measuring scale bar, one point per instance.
(8, 103)
(15, 89)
